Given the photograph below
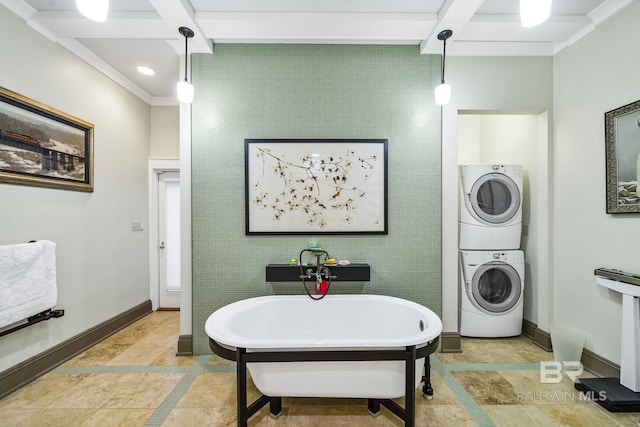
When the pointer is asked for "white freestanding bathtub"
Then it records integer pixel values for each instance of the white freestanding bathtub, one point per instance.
(341, 323)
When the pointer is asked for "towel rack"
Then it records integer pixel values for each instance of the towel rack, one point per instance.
(36, 318)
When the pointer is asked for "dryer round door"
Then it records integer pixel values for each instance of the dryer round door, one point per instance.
(496, 287)
(495, 198)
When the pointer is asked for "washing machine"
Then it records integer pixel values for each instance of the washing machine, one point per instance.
(490, 206)
(491, 291)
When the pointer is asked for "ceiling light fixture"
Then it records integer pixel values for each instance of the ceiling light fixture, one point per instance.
(185, 89)
(534, 12)
(94, 9)
(442, 92)
(143, 69)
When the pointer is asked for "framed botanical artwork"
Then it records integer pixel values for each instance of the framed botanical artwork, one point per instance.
(41, 146)
(316, 186)
(622, 156)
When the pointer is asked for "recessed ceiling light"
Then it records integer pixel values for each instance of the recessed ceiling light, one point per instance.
(146, 70)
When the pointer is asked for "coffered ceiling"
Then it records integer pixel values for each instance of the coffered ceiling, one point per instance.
(145, 32)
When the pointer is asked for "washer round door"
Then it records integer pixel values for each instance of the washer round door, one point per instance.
(495, 198)
(496, 287)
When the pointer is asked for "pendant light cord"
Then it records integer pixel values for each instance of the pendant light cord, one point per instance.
(187, 33)
(186, 56)
(444, 35)
(444, 57)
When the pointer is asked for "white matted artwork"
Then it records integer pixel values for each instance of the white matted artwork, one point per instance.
(316, 186)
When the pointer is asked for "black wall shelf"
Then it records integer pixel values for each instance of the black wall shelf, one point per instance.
(291, 273)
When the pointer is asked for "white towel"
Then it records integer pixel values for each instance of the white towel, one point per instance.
(27, 280)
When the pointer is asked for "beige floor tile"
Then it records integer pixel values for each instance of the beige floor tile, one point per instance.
(17, 417)
(199, 417)
(100, 354)
(360, 417)
(211, 390)
(578, 415)
(625, 419)
(171, 359)
(444, 415)
(530, 390)
(44, 417)
(143, 390)
(519, 415)
(119, 417)
(442, 394)
(313, 416)
(88, 391)
(487, 387)
(496, 350)
(141, 354)
(264, 419)
(220, 361)
(39, 394)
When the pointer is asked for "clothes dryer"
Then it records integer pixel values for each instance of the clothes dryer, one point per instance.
(491, 291)
(490, 206)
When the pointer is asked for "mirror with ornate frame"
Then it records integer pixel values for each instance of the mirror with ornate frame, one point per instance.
(622, 150)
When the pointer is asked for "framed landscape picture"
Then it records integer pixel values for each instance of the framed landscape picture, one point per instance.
(41, 146)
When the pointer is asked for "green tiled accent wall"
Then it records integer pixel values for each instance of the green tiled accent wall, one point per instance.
(314, 91)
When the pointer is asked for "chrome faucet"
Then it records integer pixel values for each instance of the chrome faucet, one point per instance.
(321, 273)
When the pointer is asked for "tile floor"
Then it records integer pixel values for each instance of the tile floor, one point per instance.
(134, 379)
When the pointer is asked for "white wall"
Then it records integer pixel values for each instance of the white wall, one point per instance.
(165, 132)
(102, 266)
(597, 74)
(487, 84)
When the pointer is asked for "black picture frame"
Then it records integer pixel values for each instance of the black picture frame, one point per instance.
(316, 186)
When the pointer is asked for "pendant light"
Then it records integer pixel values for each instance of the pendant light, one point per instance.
(94, 9)
(185, 89)
(442, 93)
(534, 12)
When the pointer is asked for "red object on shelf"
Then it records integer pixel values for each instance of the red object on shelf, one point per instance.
(322, 287)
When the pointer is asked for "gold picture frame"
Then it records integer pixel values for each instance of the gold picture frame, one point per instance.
(43, 147)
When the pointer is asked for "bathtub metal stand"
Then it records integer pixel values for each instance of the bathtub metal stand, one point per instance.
(427, 389)
(409, 355)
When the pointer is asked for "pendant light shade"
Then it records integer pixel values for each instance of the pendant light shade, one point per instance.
(96, 10)
(534, 12)
(185, 92)
(442, 93)
(184, 88)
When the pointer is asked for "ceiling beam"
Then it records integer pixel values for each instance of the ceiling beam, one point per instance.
(454, 15)
(180, 13)
(304, 26)
(607, 9)
(120, 25)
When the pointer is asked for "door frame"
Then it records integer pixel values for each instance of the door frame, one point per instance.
(156, 167)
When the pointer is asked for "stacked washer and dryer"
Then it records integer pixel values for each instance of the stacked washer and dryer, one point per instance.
(491, 262)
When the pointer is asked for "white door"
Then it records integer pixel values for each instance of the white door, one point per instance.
(169, 239)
